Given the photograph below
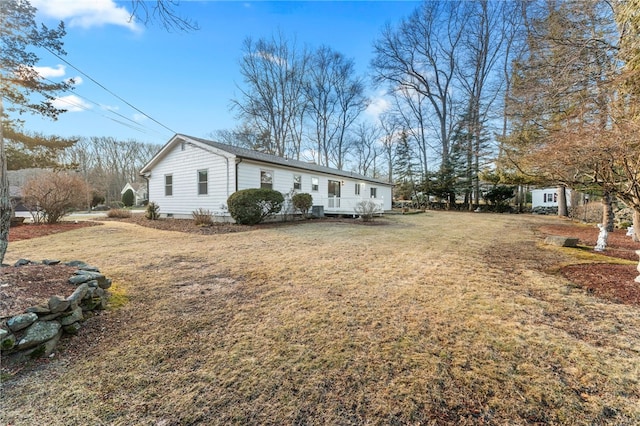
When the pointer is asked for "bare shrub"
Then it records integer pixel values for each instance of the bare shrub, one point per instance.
(367, 209)
(119, 213)
(302, 202)
(202, 217)
(51, 196)
(153, 211)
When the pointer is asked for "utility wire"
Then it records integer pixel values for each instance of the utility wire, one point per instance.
(134, 126)
(109, 91)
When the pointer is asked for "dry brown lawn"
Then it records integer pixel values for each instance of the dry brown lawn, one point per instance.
(440, 318)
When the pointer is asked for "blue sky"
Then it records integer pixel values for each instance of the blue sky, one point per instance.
(186, 81)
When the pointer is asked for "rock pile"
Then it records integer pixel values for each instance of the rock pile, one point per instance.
(36, 332)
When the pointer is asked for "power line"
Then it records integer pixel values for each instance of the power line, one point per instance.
(109, 91)
(134, 126)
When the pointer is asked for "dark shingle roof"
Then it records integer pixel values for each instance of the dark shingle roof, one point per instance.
(274, 159)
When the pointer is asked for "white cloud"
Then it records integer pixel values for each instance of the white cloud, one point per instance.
(47, 72)
(378, 105)
(87, 13)
(137, 117)
(71, 103)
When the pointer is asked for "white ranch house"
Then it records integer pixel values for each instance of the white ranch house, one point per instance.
(190, 173)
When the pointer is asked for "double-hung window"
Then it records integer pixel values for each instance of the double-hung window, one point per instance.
(168, 185)
(266, 179)
(357, 188)
(203, 182)
(297, 182)
(374, 192)
(315, 182)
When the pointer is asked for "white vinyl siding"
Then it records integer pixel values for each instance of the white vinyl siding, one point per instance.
(249, 177)
(183, 166)
(168, 185)
(203, 182)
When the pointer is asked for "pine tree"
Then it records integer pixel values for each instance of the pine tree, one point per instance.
(20, 83)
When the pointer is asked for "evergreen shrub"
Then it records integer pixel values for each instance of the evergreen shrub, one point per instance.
(252, 206)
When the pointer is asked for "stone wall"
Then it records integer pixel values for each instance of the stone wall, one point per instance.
(36, 332)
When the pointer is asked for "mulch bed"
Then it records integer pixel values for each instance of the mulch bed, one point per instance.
(605, 280)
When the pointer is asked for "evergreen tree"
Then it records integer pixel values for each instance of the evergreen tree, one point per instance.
(20, 84)
(404, 167)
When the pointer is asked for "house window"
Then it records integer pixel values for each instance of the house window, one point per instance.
(203, 182)
(551, 198)
(297, 182)
(266, 179)
(182, 146)
(314, 183)
(168, 185)
(357, 189)
(374, 192)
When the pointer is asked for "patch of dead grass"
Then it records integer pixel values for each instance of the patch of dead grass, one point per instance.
(446, 318)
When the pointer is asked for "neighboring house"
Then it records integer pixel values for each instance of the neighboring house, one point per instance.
(17, 179)
(546, 197)
(139, 192)
(191, 173)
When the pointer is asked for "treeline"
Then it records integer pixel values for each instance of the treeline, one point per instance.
(445, 69)
(518, 93)
(107, 164)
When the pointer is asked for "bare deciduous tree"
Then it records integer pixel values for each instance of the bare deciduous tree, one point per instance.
(108, 164)
(421, 56)
(163, 12)
(273, 100)
(335, 97)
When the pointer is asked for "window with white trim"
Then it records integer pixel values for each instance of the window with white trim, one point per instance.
(266, 179)
(168, 185)
(315, 183)
(203, 182)
(358, 188)
(297, 182)
(374, 192)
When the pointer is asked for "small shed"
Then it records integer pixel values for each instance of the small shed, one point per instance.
(546, 197)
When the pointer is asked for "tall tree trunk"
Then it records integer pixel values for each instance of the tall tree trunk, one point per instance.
(562, 202)
(607, 211)
(636, 225)
(5, 200)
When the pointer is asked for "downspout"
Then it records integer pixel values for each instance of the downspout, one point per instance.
(226, 159)
(146, 177)
(238, 161)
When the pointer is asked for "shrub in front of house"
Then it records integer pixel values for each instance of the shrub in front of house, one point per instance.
(202, 217)
(128, 198)
(302, 202)
(252, 206)
(366, 209)
(153, 211)
(119, 213)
